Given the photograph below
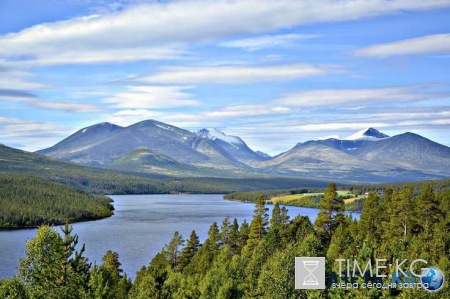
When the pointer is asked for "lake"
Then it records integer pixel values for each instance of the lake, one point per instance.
(141, 226)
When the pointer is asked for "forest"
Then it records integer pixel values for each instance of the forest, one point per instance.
(252, 260)
(29, 201)
(313, 201)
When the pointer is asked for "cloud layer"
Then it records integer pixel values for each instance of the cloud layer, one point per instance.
(267, 41)
(231, 74)
(430, 44)
(152, 97)
(152, 31)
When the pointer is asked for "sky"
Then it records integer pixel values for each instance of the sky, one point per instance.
(274, 73)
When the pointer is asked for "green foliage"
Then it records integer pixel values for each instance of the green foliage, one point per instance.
(252, 196)
(106, 281)
(190, 250)
(331, 214)
(252, 261)
(172, 250)
(258, 224)
(52, 268)
(28, 201)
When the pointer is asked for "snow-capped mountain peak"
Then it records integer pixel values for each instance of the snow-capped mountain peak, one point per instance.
(213, 134)
(368, 134)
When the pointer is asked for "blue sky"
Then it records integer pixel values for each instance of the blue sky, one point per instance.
(272, 72)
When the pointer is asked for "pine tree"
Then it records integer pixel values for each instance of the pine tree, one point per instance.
(234, 237)
(52, 268)
(172, 250)
(111, 262)
(259, 223)
(370, 217)
(428, 213)
(279, 219)
(213, 236)
(243, 234)
(225, 232)
(330, 216)
(405, 212)
(190, 250)
(207, 252)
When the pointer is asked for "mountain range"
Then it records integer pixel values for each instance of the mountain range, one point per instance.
(153, 147)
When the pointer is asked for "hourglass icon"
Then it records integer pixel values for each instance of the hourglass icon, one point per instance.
(310, 279)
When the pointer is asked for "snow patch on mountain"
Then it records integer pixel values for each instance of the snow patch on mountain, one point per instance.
(367, 134)
(262, 154)
(213, 134)
(328, 137)
(165, 127)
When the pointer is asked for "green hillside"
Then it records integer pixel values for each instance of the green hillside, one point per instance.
(28, 201)
(102, 181)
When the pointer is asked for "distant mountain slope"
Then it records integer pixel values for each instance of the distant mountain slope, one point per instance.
(353, 142)
(178, 144)
(83, 139)
(341, 144)
(406, 157)
(233, 145)
(89, 179)
(322, 161)
(99, 180)
(156, 148)
(262, 154)
(145, 160)
(409, 151)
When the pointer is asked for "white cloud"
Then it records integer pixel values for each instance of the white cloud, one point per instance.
(234, 111)
(231, 74)
(430, 44)
(104, 56)
(67, 107)
(158, 30)
(20, 96)
(129, 117)
(14, 121)
(152, 97)
(362, 96)
(266, 41)
(338, 126)
(18, 79)
(30, 135)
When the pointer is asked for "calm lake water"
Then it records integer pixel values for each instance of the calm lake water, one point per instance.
(141, 226)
